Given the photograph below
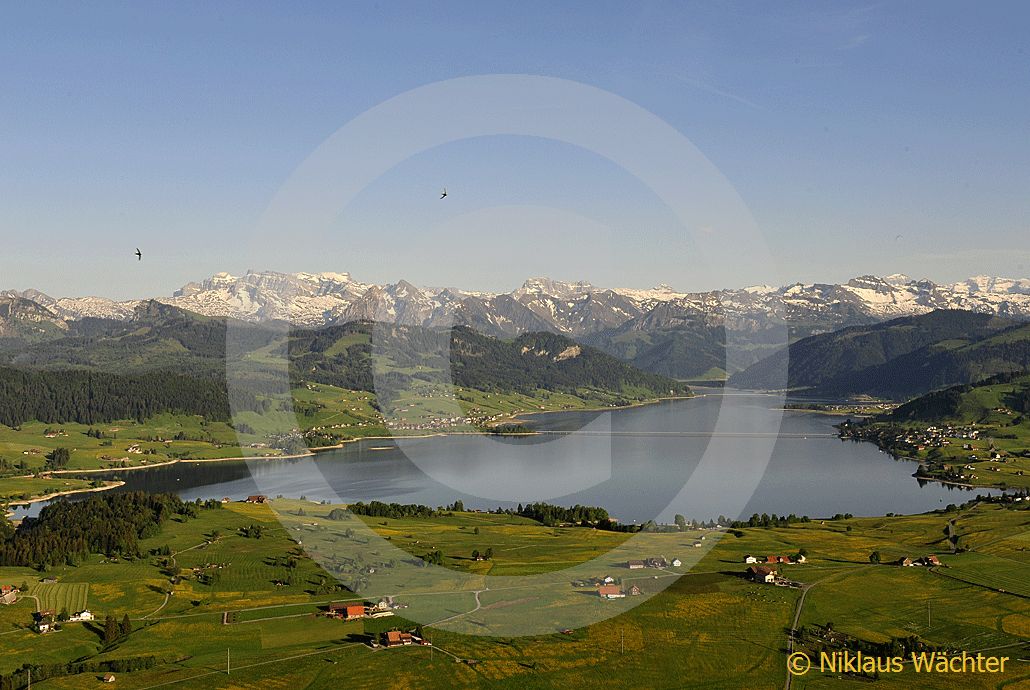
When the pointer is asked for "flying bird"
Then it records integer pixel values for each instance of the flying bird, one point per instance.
(139, 255)
(444, 193)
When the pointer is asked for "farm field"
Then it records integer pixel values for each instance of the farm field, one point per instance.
(708, 626)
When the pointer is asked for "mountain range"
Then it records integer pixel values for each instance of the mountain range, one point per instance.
(661, 330)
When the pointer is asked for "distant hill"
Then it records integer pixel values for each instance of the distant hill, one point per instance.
(156, 337)
(345, 355)
(160, 337)
(980, 403)
(898, 359)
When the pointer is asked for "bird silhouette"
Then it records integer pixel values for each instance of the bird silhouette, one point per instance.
(139, 255)
(444, 193)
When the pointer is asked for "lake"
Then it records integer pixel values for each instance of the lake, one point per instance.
(723, 453)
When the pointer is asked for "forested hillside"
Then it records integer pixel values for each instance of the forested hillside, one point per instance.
(169, 360)
(976, 403)
(403, 356)
(90, 397)
(899, 359)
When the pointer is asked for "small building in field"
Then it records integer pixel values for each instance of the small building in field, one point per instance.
(339, 609)
(634, 591)
(906, 562)
(84, 615)
(634, 565)
(257, 499)
(676, 562)
(760, 573)
(8, 594)
(396, 638)
(750, 559)
(931, 560)
(800, 558)
(108, 678)
(610, 592)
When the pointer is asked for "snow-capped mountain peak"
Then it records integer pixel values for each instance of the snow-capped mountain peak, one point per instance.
(574, 308)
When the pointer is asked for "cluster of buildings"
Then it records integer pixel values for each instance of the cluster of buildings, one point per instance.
(776, 560)
(938, 436)
(617, 592)
(770, 576)
(654, 562)
(45, 621)
(400, 638)
(763, 569)
(353, 610)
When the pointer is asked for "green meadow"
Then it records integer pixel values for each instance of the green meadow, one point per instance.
(699, 624)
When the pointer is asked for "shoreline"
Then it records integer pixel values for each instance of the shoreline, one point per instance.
(318, 449)
(112, 484)
(938, 480)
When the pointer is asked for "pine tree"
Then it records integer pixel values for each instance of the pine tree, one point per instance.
(110, 630)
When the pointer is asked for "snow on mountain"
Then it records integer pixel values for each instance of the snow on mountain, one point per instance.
(572, 308)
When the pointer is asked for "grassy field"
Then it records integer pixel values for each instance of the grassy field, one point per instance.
(24, 487)
(700, 624)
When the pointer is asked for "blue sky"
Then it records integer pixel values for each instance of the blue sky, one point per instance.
(864, 138)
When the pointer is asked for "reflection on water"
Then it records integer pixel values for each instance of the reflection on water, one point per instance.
(636, 463)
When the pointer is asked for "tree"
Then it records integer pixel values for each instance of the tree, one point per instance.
(126, 626)
(489, 553)
(59, 457)
(874, 557)
(475, 554)
(110, 630)
(681, 522)
(475, 531)
(63, 615)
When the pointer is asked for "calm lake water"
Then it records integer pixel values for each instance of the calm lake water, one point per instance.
(729, 454)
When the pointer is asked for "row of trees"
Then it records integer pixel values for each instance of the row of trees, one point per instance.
(392, 510)
(774, 520)
(551, 515)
